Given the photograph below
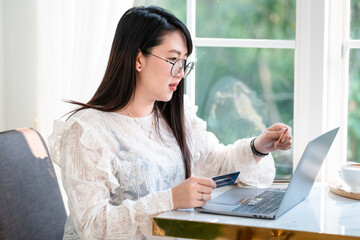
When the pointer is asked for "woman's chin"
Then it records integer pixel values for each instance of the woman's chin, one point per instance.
(166, 98)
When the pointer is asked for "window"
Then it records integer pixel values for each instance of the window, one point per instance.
(244, 76)
(287, 60)
(353, 131)
(244, 80)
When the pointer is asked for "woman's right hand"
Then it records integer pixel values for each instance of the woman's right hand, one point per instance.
(193, 192)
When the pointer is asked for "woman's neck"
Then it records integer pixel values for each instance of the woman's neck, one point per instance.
(138, 109)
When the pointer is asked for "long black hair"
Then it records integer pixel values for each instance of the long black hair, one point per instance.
(141, 28)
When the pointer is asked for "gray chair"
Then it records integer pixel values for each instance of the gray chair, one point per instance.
(31, 206)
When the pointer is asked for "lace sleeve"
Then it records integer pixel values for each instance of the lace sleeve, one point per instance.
(89, 186)
(212, 158)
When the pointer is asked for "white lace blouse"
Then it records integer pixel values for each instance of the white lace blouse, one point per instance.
(118, 172)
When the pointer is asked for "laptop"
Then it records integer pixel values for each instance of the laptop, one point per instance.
(270, 203)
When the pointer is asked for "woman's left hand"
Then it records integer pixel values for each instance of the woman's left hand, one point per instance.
(276, 137)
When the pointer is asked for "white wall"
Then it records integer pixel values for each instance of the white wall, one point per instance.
(18, 107)
(2, 127)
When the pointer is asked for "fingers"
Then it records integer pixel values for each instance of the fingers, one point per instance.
(193, 192)
(282, 135)
(206, 182)
(204, 189)
(204, 197)
(283, 144)
(284, 130)
(277, 127)
(277, 132)
(276, 137)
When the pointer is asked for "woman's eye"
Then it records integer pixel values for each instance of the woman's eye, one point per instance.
(172, 59)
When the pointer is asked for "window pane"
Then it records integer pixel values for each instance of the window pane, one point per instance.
(354, 107)
(355, 19)
(242, 91)
(259, 19)
(177, 7)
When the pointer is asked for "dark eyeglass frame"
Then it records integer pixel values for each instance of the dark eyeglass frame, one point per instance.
(186, 67)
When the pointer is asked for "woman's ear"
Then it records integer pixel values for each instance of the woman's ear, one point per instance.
(139, 61)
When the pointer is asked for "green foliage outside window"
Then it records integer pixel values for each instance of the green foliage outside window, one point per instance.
(246, 19)
(241, 91)
(353, 137)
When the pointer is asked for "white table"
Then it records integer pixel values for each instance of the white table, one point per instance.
(323, 215)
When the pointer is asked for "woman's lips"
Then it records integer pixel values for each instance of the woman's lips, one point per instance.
(173, 86)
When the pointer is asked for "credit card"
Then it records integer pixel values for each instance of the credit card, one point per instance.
(226, 179)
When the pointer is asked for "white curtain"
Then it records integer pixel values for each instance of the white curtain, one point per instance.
(74, 41)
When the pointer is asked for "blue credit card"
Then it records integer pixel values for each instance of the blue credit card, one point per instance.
(226, 179)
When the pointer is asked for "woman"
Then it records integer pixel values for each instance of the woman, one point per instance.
(137, 148)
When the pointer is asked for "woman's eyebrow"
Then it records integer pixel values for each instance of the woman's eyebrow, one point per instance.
(177, 52)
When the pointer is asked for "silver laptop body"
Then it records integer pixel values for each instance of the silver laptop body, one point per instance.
(270, 202)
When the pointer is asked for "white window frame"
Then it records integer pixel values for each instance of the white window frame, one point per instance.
(321, 71)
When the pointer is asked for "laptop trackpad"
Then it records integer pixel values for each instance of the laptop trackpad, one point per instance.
(238, 195)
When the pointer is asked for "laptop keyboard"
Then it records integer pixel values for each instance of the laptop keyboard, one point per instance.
(265, 202)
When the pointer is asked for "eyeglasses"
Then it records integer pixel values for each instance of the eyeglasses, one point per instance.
(177, 65)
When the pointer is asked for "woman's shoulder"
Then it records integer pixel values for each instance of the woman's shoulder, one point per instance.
(87, 113)
(85, 119)
(88, 116)
(84, 125)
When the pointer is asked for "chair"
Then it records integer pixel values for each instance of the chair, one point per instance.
(31, 206)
